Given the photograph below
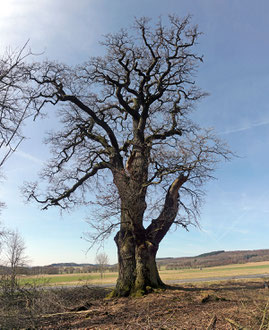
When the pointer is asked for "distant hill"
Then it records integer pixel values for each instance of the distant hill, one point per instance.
(215, 258)
(208, 254)
(209, 259)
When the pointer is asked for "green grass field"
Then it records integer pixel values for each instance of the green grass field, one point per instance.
(166, 275)
(68, 279)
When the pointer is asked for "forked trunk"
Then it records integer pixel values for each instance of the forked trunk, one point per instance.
(138, 272)
(137, 246)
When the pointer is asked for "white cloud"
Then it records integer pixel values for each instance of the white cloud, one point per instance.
(30, 157)
(246, 127)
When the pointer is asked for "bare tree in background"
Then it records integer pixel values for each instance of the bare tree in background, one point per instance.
(128, 130)
(14, 104)
(102, 261)
(16, 257)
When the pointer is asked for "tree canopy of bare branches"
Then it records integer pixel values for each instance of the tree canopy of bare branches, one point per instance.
(14, 104)
(127, 127)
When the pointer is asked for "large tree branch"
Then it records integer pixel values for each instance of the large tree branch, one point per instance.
(160, 226)
(164, 135)
(52, 201)
(100, 122)
(125, 105)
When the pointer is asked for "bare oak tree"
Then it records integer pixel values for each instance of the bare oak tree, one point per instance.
(14, 101)
(127, 130)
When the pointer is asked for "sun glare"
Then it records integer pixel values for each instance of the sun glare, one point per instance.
(7, 8)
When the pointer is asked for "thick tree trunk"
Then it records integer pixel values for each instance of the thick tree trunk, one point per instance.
(138, 272)
(126, 263)
(137, 247)
(147, 275)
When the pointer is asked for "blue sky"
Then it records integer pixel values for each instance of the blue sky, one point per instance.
(236, 74)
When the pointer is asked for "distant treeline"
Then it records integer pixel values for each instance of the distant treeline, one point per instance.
(215, 258)
(60, 269)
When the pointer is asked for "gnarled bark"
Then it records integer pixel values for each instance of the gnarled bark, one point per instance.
(147, 275)
(126, 260)
(138, 272)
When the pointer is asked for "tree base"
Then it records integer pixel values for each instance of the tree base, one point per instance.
(135, 292)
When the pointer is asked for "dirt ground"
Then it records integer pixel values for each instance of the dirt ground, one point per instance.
(219, 305)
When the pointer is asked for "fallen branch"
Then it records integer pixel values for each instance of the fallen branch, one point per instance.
(69, 313)
(212, 323)
(264, 315)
